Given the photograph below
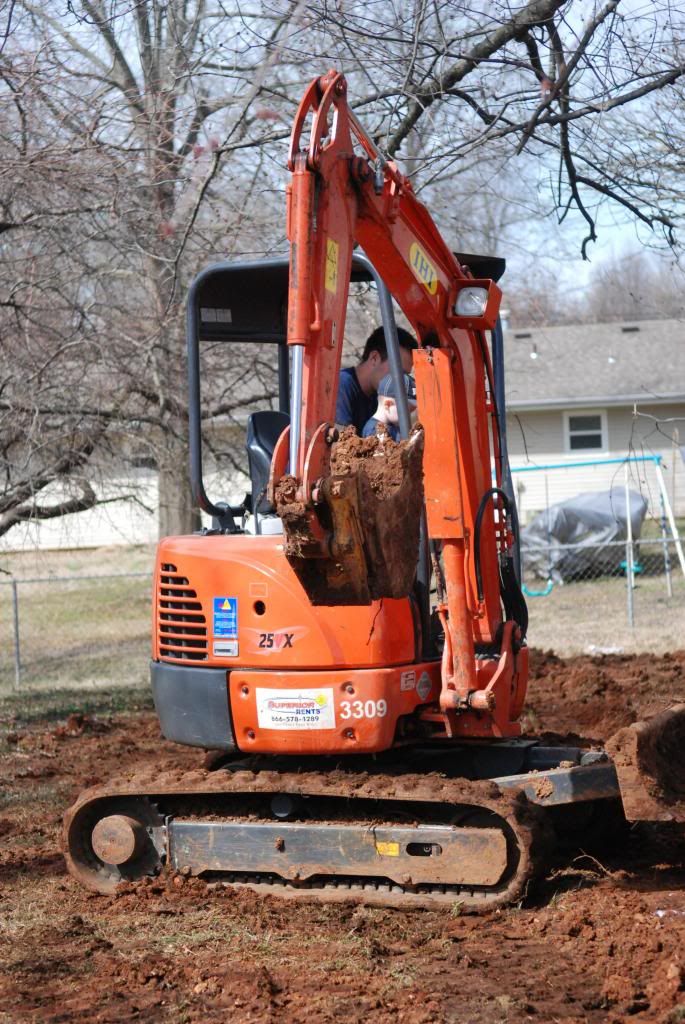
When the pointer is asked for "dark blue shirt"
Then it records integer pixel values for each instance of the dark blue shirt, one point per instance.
(352, 405)
(370, 429)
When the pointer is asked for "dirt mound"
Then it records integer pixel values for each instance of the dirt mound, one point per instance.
(641, 971)
(358, 540)
(383, 461)
(591, 697)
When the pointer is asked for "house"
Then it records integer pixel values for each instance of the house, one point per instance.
(584, 393)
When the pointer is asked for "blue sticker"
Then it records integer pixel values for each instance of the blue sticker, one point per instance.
(226, 617)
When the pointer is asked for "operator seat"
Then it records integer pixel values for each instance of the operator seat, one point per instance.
(263, 431)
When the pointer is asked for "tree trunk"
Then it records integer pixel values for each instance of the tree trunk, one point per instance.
(177, 515)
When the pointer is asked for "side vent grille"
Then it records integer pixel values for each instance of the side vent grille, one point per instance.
(181, 625)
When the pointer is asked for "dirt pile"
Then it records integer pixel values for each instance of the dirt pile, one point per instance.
(358, 539)
(590, 698)
(641, 971)
(384, 462)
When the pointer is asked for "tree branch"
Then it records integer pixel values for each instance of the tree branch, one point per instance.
(568, 67)
(29, 512)
(534, 13)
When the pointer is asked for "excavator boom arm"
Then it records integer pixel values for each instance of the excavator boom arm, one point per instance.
(339, 197)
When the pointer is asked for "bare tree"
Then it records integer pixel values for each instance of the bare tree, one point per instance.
(491, 83)
(140, 141)
(118, 114)
(54, 236)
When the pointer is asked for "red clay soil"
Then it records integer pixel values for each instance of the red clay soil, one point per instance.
(592, 697)
(383, 460)
(374, 490)
(601, 939)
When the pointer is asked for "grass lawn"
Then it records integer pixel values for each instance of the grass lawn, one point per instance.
(78, 632)
(575, 616)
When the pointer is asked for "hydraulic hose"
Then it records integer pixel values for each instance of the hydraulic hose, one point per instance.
(510, 591)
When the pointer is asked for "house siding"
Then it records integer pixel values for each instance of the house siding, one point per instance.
(537, 438)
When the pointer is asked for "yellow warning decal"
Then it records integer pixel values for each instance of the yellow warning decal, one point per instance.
(423, 268)
(332, 249)
(388, 849)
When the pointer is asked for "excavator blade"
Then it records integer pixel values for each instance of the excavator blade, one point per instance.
(649, 758)
(359, 541)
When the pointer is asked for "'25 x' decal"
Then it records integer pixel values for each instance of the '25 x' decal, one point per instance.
(276, 640)
(272, 642)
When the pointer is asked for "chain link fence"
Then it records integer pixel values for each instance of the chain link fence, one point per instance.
(603, 562)
(75, 631)
(605, 598)
(87, 630)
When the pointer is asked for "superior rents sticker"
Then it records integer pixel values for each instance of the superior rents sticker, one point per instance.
(295, 709)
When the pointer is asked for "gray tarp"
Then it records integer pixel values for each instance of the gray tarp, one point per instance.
(588, 522)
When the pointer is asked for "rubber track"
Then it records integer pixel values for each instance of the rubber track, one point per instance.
(523, 819)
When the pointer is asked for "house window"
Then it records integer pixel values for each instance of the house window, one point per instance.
(585, 431)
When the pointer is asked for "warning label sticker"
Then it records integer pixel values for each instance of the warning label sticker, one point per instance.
(424, 685)
(295, 709)
(225, 649)
(407, 681)
(387, 849)
(226, 617)
(332, 249)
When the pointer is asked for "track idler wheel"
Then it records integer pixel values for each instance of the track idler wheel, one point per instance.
(118, 839)
(114, 840)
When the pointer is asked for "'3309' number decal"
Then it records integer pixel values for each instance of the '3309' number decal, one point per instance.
(363, 708)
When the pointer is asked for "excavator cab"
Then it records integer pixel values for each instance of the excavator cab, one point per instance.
(239, 303)
(247, 303)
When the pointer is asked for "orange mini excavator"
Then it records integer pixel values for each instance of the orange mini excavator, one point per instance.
(351, 644)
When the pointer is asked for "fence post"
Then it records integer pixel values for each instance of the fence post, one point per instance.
(629, 554)
(17, 652)
(549, 533)
(667, 556)
(669, 513)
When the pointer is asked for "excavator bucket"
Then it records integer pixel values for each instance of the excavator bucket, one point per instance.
(649, 758)
(359, 541)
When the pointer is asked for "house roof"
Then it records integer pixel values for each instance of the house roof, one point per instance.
(590, 364)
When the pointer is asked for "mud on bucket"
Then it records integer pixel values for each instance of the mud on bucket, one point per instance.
(360, 541)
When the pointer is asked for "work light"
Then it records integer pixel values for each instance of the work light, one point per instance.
(476, 304)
